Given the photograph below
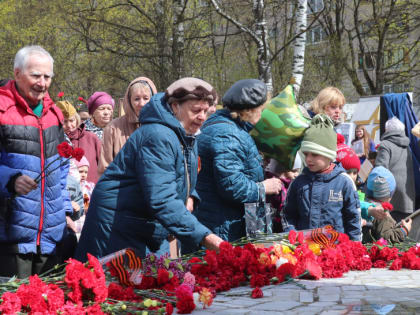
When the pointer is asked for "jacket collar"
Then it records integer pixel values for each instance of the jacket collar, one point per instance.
(9, 96)
(338, 169)
(245, 125)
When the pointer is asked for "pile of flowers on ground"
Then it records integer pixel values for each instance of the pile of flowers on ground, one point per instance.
(156, 285)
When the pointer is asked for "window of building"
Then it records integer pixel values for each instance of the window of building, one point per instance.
(368, 60)
(396, 88)
(396, 58)
(366, 89)
(387, 88)
(315, 35)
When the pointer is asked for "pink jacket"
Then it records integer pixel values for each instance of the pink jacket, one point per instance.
(90, 143)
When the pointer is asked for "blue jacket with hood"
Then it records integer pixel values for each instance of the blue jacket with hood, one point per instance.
(315, 200)
(140, 199)
(231, 174)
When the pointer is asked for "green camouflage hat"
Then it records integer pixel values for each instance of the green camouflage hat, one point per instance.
(280, 130)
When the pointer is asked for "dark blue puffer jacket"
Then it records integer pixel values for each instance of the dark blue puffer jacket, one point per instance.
(28, 144)
(315, 200)
(140, 198)
(231, 167)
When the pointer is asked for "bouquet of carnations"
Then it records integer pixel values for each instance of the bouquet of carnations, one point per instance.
(65, 150)
(124, 283)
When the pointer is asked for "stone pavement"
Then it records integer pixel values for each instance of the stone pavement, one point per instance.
(376, 291)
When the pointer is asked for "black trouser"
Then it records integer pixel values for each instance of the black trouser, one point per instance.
(67, 247)
(25, 265)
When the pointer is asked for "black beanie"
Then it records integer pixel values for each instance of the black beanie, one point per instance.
(245, 94)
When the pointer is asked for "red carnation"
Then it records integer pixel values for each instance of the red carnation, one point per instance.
(286, 271)
(292, 237)
(11, 303)
(379, 264)
(65, 150)
(78, 154)
(257, 293)
(259, 280)
(60, 94)
(162, 276)
(185, 301)
(169, 309)
(300, 238)
(82, 100)
(313, 268)
(387, 206)
(396, 264)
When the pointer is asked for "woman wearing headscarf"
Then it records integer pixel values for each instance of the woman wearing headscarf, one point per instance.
(148, 190)
(101, 107)
(138, 93)
(231, 166)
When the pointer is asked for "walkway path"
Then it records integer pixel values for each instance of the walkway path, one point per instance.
(376, 291)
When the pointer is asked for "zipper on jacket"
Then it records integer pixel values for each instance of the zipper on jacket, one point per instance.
(41, 217)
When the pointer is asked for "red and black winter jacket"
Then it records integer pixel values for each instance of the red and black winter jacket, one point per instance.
(28, 143)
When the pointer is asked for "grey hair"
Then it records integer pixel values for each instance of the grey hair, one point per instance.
(24, 53)
(394, 124)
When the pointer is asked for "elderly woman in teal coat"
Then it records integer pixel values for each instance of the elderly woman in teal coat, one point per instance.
(231, 166)
(148, 191)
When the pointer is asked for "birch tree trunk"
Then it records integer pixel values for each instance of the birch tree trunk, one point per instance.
(263, 57)
(178, 41)
(299, 46)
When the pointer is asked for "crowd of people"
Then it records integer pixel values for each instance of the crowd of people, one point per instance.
(173, 173)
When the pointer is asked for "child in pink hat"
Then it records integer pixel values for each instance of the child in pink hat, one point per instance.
(87, 187)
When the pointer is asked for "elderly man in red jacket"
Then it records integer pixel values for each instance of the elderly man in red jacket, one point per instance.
(32, 214)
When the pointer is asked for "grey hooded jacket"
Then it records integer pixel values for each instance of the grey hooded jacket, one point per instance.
(394, 154)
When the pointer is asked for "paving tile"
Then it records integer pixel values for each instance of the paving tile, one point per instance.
(353, 288)
(306, 297)
(353, 294)
(329, 297)
(332, 312)
(233, 312)
(323, 304)
(276, 306)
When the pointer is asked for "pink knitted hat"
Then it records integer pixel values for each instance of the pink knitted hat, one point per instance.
(83, 162)
(97, 99)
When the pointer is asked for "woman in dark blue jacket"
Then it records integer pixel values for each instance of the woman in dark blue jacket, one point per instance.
(231, 166)
(148, 191)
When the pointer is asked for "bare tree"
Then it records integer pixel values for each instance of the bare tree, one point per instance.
(375, 42)
(259, 35)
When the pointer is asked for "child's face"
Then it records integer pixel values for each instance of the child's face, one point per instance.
(353, 174)
(83, 171)
(292, 174)
(315, 162)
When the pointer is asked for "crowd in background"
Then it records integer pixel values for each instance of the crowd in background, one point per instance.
(173, 174)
